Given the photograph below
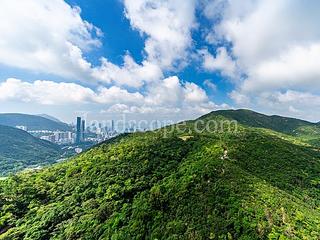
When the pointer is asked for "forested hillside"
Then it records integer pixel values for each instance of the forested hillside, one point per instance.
(19, 149)
(250, 183)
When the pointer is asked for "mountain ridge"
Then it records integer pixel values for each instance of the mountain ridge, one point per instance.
(49, 117)
(32, 122)
(242, 112)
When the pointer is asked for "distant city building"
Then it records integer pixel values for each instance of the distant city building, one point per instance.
(83, 129)
(50, 138)
(95, 133)
(78, 130)
(24, 128)
(112, 125)
(59, 137)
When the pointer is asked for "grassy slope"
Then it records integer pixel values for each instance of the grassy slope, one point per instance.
(18, 149)
(143, 186)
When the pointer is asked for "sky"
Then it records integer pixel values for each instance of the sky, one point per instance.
(162, 60)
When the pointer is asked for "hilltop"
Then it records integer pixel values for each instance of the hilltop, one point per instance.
(259, 120)
(32, 122)
(306, 131)
(249, 182)
(19, 149)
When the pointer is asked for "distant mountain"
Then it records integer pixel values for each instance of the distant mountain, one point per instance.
(49, 117)
(249, 183)
(32, 122)
(19, 149)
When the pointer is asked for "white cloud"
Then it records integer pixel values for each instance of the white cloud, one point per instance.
(171, 97)
(167, 97)
(194, 94)
(167, 25)
(130, 74)
(213, 9)
(209, 84)
(167, 93)
(52, 93)
(124, 108)
(290, 99)
(297, 67)
(222, 62)
(171, 93)
(276, 43)
(46, 36)
(240, 98)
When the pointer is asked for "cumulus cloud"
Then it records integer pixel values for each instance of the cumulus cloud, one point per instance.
(240, 98)
(167, 25)
(213, 9)
(130, 74)
(171, 93)
(53, 93)
(46, 36)
(168, 96)
(172, 97)
(276, 43)
(210, 84)
(222, 63)
(297, 67)
(52, 38)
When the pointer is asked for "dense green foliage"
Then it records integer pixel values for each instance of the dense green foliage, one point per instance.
(32, 122)
(249, 184)
(19, 149)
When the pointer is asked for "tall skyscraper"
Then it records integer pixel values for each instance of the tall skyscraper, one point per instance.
(83, 129)
(78, 130)
(112, 125)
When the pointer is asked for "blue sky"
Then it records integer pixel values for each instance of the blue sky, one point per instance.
(119, 36)
(150, 59)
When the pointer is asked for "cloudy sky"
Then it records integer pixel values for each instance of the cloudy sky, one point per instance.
(170, 59)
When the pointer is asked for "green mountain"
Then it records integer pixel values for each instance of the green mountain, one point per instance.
(32, 122)
(254, 119)
(306, 131)
(19, 149)
(181, 182)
